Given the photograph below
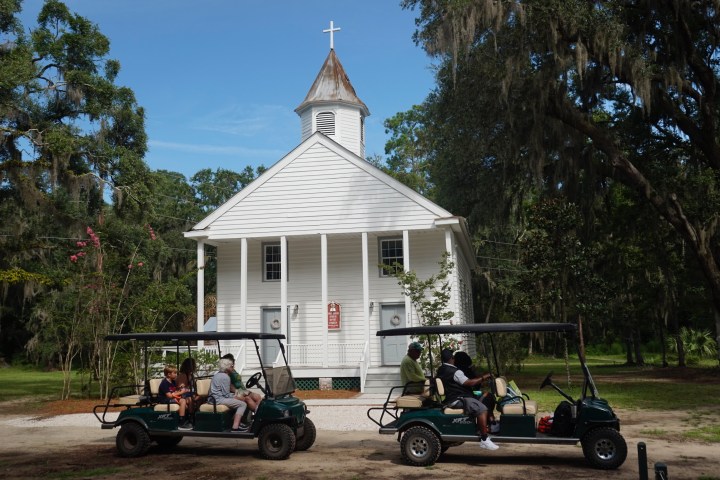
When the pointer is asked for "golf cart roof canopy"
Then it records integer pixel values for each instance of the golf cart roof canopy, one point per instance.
(479, 328)
(190, 336)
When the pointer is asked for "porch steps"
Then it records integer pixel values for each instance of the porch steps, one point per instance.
(382, 379)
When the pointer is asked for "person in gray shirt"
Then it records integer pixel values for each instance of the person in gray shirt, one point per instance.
(221, 395)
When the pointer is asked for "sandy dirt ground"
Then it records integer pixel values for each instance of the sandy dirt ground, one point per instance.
(54, 448)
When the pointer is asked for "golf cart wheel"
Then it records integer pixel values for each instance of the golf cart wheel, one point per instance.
(604, 448)
(167, 442)
(276, 441)
(308, 436)
(420, 446)
(132, 440)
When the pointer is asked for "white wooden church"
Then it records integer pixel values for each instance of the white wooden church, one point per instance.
(298, 250)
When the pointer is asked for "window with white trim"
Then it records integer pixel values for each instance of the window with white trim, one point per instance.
(391, 254)
(325, 122)
(272, 262)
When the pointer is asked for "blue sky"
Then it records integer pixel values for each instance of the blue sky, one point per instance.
(220, 79)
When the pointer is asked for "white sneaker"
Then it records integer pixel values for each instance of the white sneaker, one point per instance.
(488, 444)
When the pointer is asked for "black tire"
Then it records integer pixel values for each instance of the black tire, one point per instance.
(420, 446)
(132, 440)
(276, 441)
(167, 442)
(308, 437)
(604, 448)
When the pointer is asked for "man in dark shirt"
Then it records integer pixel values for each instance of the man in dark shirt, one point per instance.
(457, 394)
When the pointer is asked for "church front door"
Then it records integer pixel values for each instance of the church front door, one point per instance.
(393, 347)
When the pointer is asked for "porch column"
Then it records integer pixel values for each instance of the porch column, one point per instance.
(243, 283)
(200, 288)
(283, 287)
(366, 285)
(406, 267)
(243, 293)
(324, 294)
(453, 274)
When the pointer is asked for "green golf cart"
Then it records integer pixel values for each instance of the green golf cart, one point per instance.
(426, 428)
(280, 424)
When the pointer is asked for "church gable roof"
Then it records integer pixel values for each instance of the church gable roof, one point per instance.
(332, 85)
(320, 187)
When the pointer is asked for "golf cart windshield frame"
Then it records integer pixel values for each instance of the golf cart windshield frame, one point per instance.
(194, 336)
(284, 377)
(490, 328)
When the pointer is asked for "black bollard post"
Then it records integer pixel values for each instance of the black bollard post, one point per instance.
(642, 461)
(661, 472)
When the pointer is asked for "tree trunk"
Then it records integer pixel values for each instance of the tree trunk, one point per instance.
(663, 347)
(629, 349)
(717, 331)
(681, 351)
(581, 339)
(639, 359)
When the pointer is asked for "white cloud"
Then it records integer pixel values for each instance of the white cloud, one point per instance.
(217, 149)
(249, 121)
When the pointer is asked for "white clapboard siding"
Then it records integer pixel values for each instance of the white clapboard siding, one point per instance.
(349, 125)
(305, 126)
(321, 192)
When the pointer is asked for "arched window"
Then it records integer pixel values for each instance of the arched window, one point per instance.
(326, 123)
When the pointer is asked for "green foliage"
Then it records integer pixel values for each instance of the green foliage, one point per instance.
(698, 344)
(533, 106)
(407, 150)
(430, 298)
(215, 188)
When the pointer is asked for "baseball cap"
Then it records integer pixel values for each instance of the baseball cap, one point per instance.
(416, 346)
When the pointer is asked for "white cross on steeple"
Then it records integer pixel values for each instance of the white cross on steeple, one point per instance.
(331, 31)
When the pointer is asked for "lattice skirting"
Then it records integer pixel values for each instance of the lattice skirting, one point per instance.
(340, 383)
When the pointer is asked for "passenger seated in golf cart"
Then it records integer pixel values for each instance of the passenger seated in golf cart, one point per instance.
(455, 384)
(487, 397)
(220, 394)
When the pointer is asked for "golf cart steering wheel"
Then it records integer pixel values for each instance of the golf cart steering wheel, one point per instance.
(254, 380)
(547, 381)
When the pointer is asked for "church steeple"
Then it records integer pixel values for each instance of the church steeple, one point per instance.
(332, 107)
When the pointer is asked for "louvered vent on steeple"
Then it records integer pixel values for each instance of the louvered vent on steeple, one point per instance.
(325, 123)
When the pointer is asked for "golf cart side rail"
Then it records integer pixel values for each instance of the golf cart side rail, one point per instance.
(191, 336)
(476, 328)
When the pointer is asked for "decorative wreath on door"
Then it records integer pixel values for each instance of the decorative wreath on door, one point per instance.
(275, 324)
(395, 320)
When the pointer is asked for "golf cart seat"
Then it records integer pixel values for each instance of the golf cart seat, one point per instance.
(129, 400)
(155, 391)
(441, 391)
(519, 405)
(414, 400)
(202, 388)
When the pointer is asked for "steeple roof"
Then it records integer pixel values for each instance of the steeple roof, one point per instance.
(332, 85)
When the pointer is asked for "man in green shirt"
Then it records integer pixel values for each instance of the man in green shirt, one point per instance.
(410, 370)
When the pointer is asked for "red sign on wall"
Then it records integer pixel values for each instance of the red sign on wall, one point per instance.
(333, 316)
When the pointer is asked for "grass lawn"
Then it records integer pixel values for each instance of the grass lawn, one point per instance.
(626, 387)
